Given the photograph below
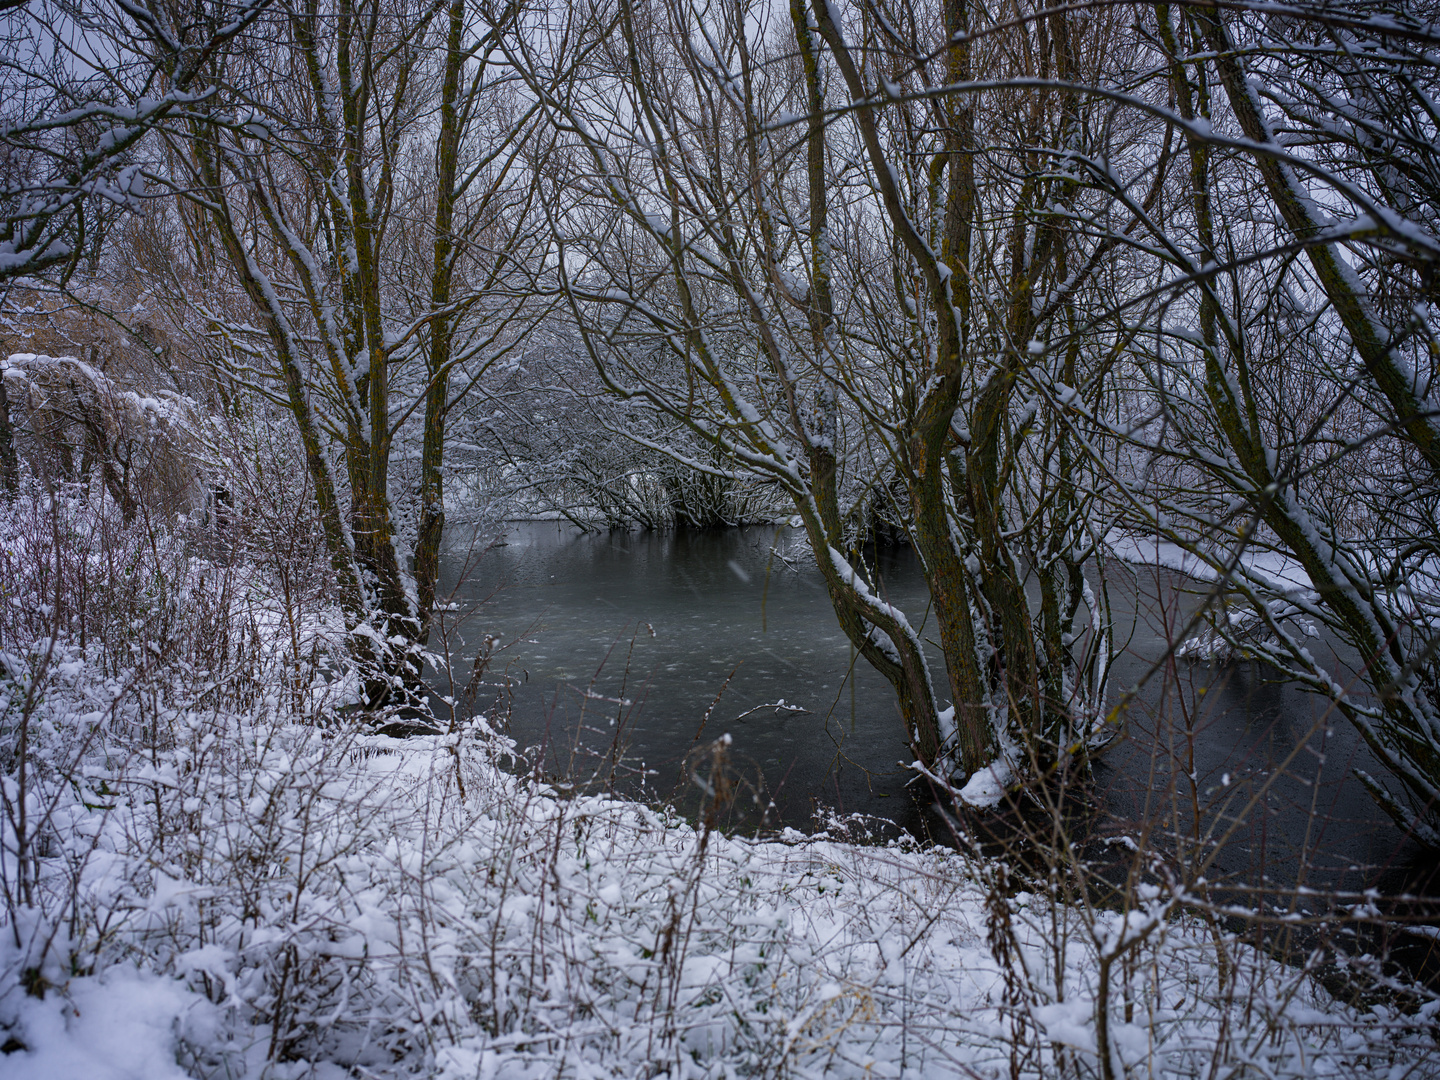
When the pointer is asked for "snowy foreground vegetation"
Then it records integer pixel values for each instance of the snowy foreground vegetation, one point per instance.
(207, 872)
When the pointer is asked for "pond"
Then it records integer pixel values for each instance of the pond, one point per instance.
(620, 653)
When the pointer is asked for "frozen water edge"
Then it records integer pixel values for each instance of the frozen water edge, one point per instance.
(1282, 570)
(321, 905)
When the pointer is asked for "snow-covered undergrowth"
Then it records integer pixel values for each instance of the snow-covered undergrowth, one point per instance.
(261, 898)
(207, 874)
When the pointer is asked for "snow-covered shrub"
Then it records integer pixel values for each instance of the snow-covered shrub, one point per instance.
(317, 900)
(140, 446)
(112, 632)
(1233, 633)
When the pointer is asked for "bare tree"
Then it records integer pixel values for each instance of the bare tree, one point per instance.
(544, 439)
(855, 301)
(1291, 364)
(358, 177)
(81, 87)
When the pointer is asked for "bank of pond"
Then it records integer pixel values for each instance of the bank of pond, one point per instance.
(620, 656)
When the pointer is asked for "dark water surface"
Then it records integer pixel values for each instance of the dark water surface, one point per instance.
(623, 652)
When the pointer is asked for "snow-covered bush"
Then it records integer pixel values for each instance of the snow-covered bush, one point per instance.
(141, 447)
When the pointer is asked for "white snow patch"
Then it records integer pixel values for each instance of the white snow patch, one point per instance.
(986, 787)
(120, 1025)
